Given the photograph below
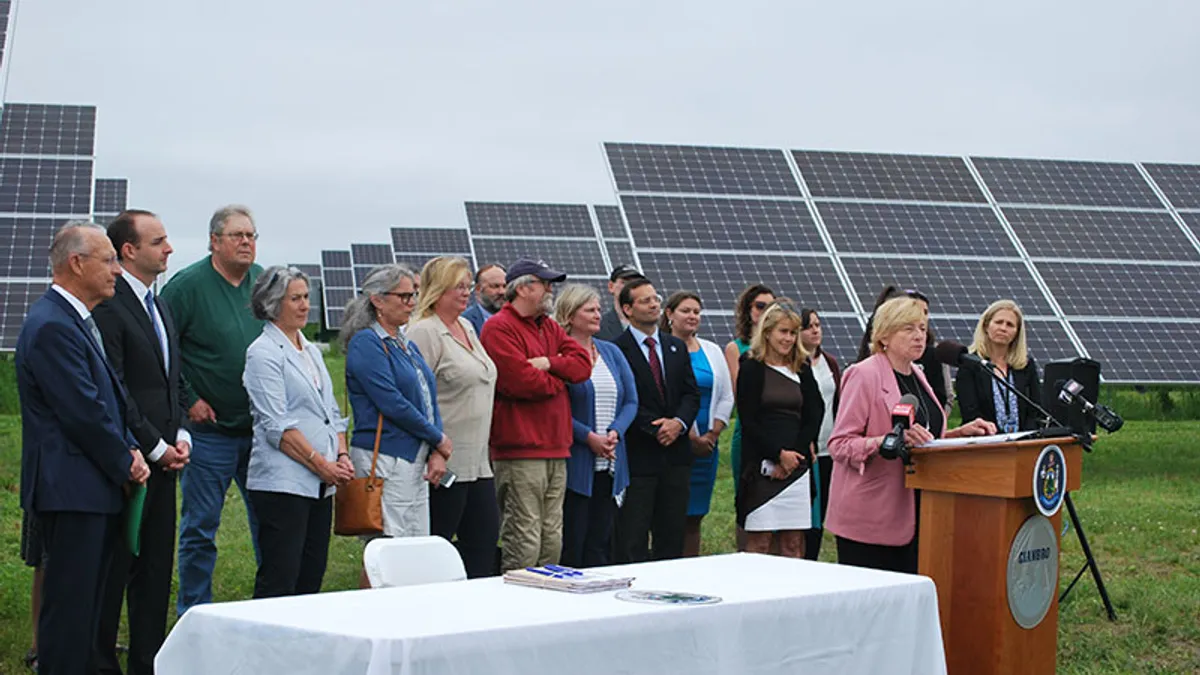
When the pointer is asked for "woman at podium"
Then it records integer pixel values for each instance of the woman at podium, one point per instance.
(1000, 338)
(871, 512)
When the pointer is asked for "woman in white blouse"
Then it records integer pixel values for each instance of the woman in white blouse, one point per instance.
(681, 317)
(602, 408)
(466, 383)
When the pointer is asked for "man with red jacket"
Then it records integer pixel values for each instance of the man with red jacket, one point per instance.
(531, 424)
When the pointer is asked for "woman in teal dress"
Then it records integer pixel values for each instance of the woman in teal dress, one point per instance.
(681, 317)
(751, 304)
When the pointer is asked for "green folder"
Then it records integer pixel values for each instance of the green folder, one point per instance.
(133, 517)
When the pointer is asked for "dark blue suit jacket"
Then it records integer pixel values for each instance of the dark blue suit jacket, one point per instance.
(476, 315)
(74, 446)
(582, 462)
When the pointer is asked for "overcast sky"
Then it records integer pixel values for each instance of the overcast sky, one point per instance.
(336, 120)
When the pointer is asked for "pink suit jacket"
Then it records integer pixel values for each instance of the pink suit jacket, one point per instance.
(868, 502)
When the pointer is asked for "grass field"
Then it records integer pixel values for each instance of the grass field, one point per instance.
(1140, 505)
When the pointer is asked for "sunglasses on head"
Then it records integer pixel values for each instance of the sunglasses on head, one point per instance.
(916, 294)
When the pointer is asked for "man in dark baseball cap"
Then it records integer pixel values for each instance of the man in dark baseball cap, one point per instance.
(612, 324)
(537, 268)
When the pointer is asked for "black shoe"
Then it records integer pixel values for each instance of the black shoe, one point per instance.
(31, 661)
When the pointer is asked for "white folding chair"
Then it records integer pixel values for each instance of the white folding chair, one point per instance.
(407, 561)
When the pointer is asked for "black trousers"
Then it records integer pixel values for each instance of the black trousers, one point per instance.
(651, 521)
(293, 538)
(145, 580)
(588, 524)
(812, 538)
(468, 511)
(79, 550)
(877, 556)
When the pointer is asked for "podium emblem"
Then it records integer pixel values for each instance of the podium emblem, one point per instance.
(1032, 578)
(1050, 480)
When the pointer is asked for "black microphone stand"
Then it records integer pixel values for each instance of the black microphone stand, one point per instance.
(1085, 440)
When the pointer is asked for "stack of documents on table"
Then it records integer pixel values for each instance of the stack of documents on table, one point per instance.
(569, 579)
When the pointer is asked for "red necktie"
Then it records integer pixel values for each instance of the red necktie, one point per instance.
(656, 368)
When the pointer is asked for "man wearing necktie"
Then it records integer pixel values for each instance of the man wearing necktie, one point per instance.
(142, 346)
(77, 456)
(660, 461)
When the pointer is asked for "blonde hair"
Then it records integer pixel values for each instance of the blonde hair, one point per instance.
(778, 312)
(893, 315)
(1018, 354)
(439, 275)
(570, 299)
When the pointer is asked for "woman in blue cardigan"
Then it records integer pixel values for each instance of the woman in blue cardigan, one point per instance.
(391, 388)
(602, 408)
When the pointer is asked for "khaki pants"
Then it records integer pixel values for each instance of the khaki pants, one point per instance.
(530, 493)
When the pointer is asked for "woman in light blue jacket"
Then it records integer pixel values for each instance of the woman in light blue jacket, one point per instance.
(602, 408)
(299, 453)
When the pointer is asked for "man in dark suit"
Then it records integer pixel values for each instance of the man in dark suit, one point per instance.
(613, 323)
(143, 347)
(660, 459)
(76, 453)
(489, 295)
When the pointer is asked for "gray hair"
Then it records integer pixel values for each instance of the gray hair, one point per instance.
(266, 299)
(70, 240)
(570, 299)
(216, 225)
(510, 291)
(359, 312)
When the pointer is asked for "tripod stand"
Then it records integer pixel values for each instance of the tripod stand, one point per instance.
(1086, 441)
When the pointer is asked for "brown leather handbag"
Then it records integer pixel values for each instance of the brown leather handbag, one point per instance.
(358, 505)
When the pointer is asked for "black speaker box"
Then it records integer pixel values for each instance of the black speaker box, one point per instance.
(1055, 375)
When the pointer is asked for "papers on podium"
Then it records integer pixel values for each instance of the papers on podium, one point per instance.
(569, 579)
(978, 440)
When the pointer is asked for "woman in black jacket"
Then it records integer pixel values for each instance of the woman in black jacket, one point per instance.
(1000, 338)
(781, 410)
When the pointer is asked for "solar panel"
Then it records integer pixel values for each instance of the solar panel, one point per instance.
(36, 129)
(1048, 181)
(953, 286)
(15, 299)
(619, 253)
(338, 278)
(915, 229)
(576, 257)
(337, 286)
(335, 259)
(1179, 182)
(700, 170)
(1142, 351)
(58, 186)
(864, 175)
(717, 278)
(1110, 289)
(1073, 233)
(371, 254)
(438, 241)
(611, 223)
(27, 240)
(5, 7)
(1193, 222)
(528, 220)
(112, 195)
(721, 224)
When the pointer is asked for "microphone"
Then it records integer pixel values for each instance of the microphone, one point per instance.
(1106, 417)
(954, 354)
(904, 414)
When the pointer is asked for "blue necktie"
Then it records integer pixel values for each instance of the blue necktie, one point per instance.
(154, 322)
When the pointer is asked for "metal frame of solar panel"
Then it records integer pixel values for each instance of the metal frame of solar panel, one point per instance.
(1109, 246)
(46, 179)
(565, 236)
(337, 286)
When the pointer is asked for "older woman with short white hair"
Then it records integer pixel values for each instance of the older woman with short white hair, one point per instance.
(299, 449)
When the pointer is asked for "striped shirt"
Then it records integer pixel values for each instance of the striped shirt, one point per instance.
(606, 405)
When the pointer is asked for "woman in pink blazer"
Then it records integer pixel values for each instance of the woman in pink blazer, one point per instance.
(870, 511)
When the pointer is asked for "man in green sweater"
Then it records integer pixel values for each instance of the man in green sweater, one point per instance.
(210, 301)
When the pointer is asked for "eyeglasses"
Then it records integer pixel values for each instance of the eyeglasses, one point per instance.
(648, 299)
(404, 297)
(109, 260)
(240, 236)
(465, 288)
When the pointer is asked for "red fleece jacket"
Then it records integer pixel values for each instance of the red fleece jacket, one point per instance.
(532, 415)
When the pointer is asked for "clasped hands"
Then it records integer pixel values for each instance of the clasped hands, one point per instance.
(789, 461)
(603, 445)
(669, 430)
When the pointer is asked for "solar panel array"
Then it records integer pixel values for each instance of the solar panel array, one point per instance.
(111, 198)
(337, 286)
(415, 246)
(562, 235)
(46, 179)
(1103, 257)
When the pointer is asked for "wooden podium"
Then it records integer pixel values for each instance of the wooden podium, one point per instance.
(974, 499)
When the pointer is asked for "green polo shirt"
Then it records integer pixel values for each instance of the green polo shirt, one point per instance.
(215, 327)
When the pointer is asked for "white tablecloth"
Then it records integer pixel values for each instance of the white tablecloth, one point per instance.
(778, 616)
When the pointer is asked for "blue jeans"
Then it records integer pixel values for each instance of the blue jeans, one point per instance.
(216, 460)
